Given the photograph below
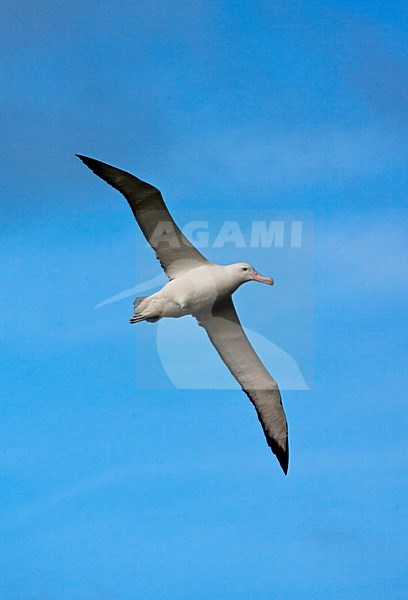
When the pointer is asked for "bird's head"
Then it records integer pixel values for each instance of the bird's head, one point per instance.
(243, 272)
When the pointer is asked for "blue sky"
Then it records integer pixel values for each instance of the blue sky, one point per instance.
(110, 491)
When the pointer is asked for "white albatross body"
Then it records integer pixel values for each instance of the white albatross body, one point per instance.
(204, 290)
(192, 292)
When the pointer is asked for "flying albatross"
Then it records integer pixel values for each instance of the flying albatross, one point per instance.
(202, 289)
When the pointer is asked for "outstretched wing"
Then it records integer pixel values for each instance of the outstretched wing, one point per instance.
(175, 253)
(229, 339)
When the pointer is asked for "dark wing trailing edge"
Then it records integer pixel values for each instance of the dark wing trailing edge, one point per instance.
(227, 336)
(175, 253)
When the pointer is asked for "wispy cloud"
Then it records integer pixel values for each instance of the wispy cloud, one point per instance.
(307, 155)
(364, 254)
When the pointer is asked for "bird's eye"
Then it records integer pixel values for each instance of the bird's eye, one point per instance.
(245, 268)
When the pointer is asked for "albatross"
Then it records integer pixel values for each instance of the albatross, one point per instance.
(203, 289)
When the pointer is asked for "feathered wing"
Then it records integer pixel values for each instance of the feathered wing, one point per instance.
(175, 253)
(226, 334)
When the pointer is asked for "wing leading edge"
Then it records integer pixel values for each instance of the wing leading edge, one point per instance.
(229, 339)
(175, 253)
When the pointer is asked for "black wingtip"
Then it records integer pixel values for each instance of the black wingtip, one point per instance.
(121, 180)
(280, 450)
(101, 169)
(89, 162)
(282, 454)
